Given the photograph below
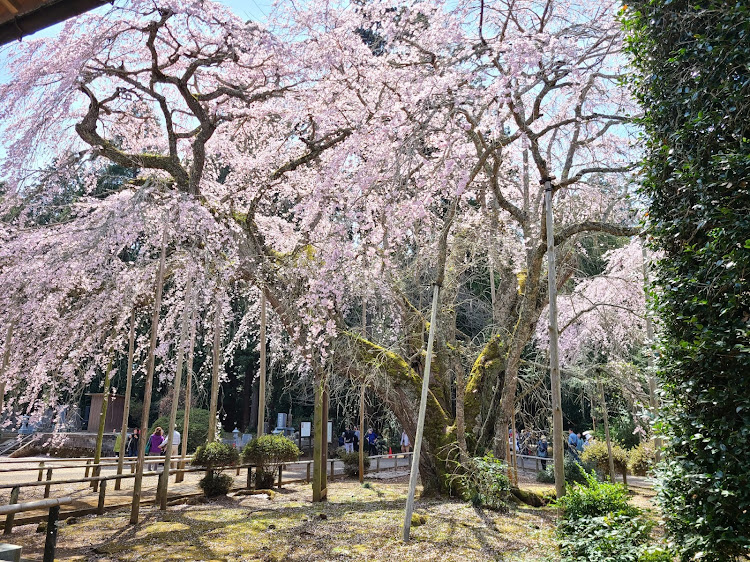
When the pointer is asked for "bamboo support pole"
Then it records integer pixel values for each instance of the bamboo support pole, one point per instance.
(164, 478)
(102, 421)
(606, 433)
(138, 481)
(188, 397)
(362, 435)
(557, 418)
(126, 405)
(262, 374)
(422, 412)
(215, 374)
(4, 366)
(653, 400)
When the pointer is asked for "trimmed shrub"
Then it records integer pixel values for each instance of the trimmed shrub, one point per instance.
(266, 453)
(351, 463)
(215, 456)
(486, 482)
(595, 499)
(198, 430)
(641, 459)
(215, 484)
(596, 457)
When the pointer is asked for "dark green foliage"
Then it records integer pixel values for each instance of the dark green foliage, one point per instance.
(351, 463)
(266, 453)
(215, 455)
(599, 525)
(574, 472)
(486, 482)
(198, 433)
(215, 484)
(691, 61)
(595, 499)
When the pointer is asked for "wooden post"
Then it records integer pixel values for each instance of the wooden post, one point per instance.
(320, 442)
(41, 472)
(514, 454)
(48, 486)
(164, 478)
(307, 476)
(126, 406)
(188, 398)
(102, 420)
(50, 541)
(281, 469)
(138, 480)
(422, 412)
(554, 362)
(4, 366)
(262, 374)
(606, 433)
(11, 516)
(102, 492)
(215, 374)
(362, 435)
(250, 477)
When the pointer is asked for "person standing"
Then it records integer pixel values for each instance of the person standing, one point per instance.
(542, 451)
(153, 447)
(405, 443)
(573, 443)
(372, 439)
(176, 439)
(132, 448)
(349, 441)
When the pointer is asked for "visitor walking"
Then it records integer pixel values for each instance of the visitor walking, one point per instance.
(153, 447)
(542, 451)
(405, 443)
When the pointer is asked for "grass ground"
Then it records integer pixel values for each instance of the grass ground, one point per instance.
(357, 523)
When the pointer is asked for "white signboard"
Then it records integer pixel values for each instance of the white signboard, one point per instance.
(304, 430)
(330, 431)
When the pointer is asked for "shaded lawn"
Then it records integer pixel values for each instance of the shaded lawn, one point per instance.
(357, 523)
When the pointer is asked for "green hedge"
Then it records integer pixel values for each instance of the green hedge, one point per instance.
(691, 62)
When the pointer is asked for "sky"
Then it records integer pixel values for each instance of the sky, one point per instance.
(257, 10)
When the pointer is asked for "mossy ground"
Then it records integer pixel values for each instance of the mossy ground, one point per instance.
(357, 523)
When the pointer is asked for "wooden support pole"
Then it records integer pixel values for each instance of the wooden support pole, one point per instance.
(188, 397)
(214, 400)
(319, 442)
(102, 422)
(48, 486)
(102, 493)
(126, 406)
(606, 433)
(262, 374)
(554, 362)
(41, 472)
(4, 366)
(164, 478)
(50, 541)
(362, 435)
(11, 516)
(138, 480)
(422, 412)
